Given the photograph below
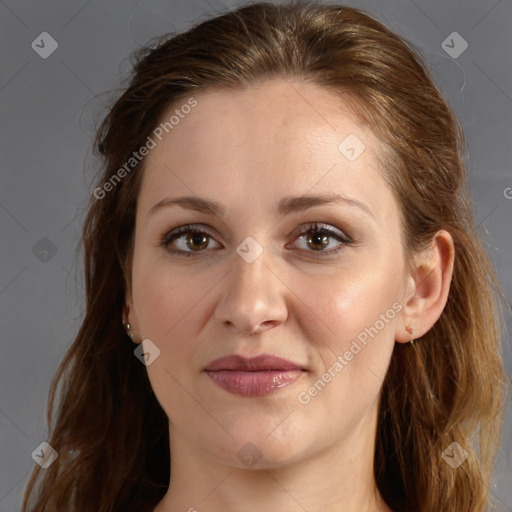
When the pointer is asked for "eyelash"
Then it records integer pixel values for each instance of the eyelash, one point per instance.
(314, 228)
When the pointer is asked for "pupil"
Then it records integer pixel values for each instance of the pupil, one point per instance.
(197, 240)
(320, 240)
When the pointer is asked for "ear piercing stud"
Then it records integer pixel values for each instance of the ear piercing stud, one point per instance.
(128, 331)
(408, 328)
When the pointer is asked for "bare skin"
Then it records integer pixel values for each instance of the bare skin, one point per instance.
(305, 298)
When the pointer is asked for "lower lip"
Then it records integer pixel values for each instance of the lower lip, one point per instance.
(254, 383)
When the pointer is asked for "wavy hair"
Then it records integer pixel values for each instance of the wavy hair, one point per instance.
(109, 430)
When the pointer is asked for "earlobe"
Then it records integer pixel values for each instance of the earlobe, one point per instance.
(132, 335)
(129, 319)
(430, 287)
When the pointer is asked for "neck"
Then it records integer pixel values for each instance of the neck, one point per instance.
(338, 479)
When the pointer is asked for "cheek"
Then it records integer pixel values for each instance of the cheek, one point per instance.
(173, 308)
(348, 303)
(168, 308)
(166, 298)
(351, 361)
(352, 331)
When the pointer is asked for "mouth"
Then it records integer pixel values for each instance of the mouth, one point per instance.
(258, 376)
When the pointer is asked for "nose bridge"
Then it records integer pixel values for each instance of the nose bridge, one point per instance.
(252, 295)
(250, 281)
(251, 277)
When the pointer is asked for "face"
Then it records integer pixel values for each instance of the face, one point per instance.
(290, 247)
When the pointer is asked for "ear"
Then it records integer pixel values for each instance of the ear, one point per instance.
(428, 287)
(130, 317)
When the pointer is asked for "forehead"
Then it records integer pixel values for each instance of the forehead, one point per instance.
(278, 138)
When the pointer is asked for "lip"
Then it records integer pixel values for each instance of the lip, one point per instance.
(257, 376)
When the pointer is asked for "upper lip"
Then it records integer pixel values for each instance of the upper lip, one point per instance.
(262, 362)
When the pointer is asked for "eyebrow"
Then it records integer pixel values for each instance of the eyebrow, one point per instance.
(287, 205)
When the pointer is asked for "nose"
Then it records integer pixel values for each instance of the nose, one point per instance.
(253, 298)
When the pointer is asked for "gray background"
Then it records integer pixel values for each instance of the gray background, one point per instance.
(48, 108)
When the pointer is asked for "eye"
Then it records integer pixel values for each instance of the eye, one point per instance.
(187, 240)
(190, 240)
(322, 239)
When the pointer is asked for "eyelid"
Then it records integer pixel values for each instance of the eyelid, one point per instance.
(177, 232)
(342, 237)
(321, 227)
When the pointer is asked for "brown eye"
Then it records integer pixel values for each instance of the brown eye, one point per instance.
(197, 241)
(188, 240)
(322, 239)
(317, 241)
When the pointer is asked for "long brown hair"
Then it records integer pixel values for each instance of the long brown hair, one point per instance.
(110, 432)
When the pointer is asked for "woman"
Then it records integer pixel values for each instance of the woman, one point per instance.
(284, 231)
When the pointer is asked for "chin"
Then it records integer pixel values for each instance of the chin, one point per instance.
(258, 443)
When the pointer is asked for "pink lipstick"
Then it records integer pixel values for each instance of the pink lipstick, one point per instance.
(258, 376)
